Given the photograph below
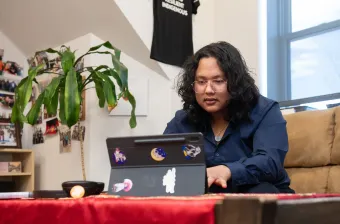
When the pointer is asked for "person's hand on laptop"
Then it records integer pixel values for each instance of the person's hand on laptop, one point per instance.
(218, 175)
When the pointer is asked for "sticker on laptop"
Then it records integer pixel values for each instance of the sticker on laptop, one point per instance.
(125, 186)
(158, 154)
(169, 181)
(190, 151)
(119, 157)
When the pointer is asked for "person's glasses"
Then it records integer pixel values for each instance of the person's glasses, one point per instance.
(218, 85)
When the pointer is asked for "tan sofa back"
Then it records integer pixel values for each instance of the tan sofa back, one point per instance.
(313, 159)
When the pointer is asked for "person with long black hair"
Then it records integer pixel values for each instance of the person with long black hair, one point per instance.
(245, 135)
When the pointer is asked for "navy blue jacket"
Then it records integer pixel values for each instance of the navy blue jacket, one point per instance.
(254, 152)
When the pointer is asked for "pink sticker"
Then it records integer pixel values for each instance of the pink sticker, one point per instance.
(126, 186)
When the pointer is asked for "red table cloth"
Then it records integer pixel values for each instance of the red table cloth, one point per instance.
(111, 209)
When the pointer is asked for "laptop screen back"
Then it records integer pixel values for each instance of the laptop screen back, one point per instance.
(157, 165)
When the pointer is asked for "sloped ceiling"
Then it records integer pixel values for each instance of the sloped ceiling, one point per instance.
(38, 24)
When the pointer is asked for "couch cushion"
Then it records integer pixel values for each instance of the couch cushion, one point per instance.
(335, 156)
(334, 180)
(310, 135)
(309, 180)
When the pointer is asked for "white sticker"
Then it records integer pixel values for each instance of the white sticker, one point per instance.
(169, 181)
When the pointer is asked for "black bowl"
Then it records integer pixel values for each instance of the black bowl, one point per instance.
(100, 187)
(90, 187)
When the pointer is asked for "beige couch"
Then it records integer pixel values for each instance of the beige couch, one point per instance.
(313, 160)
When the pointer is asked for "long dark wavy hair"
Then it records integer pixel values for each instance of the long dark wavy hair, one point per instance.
(243, 93)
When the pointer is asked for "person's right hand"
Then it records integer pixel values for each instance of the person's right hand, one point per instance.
(218, 175)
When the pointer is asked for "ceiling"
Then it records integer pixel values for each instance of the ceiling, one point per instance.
(38, 24)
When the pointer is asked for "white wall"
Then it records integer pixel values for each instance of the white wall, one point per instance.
(242, 24)
(12, 52)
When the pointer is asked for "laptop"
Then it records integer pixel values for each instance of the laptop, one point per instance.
(157, 165)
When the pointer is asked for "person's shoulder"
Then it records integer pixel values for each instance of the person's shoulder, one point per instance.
(179, 123)
(264, 105)
(265, 111)
(181, 116)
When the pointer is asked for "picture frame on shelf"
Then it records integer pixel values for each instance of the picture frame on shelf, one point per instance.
(10, 135)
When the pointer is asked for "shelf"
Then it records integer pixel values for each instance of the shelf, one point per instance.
(6, 92)
(6, 75)
(15, 150)
(15, 174)
(23, 181)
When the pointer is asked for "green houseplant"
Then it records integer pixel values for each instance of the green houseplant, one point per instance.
(64, 91)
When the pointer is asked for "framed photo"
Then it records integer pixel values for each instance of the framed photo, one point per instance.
(10, 135)
(13, 68)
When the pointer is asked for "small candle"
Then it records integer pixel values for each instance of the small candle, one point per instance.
(77, 191)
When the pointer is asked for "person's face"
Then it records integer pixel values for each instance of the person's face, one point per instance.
(210, 86)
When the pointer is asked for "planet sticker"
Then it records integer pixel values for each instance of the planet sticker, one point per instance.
(119, 157)
(158, 154)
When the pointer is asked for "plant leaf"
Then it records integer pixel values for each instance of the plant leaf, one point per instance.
(17, 112)
(108, 72)
(71, 98)
(33, 114)
(114, 74)
(124, 77)
(106, 44)
(117, 53)
(100, 93)
(116, 50)
(52, 90)
(131, 98)
(62, 106)
(52, 106)
(52, 51)
(98, 81)
(25, 91)
(109, 89)
(121, 70)
(35, 80)
(67, 60)
(120, 67)
(116, 63)
(17, 115)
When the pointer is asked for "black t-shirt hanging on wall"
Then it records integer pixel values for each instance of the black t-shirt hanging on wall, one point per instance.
(172, 35)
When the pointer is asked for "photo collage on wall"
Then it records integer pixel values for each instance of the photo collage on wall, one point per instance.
(49, 124)
(11, 73)
(10, 67)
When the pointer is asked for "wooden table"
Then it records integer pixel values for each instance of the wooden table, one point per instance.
(279, 209)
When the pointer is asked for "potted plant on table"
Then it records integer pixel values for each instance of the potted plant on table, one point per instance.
(64, 91)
